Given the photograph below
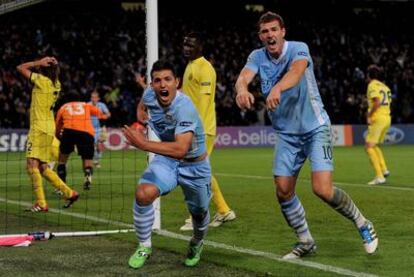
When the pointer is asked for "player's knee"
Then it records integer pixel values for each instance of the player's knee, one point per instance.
(283, 193)
(369, 145)
(43, 167)
(146, 194)
(323, 192)
(285, 188)
(30, 170)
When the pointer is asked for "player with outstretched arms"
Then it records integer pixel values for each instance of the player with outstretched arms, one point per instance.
(303, 128)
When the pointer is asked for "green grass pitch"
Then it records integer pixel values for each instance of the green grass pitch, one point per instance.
(246, 182)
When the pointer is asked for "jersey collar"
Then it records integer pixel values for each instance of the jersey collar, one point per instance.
(284, 50)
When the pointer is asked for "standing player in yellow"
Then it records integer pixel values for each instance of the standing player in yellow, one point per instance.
(379, 121)
(199, 83)
(39, 148)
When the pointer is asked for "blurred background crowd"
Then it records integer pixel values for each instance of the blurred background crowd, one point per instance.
(101, 46)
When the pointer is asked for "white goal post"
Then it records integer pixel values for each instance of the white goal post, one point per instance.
(152, 56)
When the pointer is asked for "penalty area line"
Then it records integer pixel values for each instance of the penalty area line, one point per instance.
(242, 250)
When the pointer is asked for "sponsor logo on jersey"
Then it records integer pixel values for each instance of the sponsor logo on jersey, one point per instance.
(185, 123)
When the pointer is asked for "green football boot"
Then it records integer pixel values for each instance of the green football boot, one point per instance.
(193, 254)
(140, 256)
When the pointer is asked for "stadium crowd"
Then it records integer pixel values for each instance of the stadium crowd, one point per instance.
(104, 49)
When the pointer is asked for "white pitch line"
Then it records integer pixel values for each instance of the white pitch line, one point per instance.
(252, 252)
(98, 176)
(271, 256)
(257, 177)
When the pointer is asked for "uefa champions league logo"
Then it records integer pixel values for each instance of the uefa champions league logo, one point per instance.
(393, 136)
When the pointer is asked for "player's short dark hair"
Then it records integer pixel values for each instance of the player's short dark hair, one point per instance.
(52, 72)
(71, 96)
(198, 36)
(269, 17)
(163, 65)
(375, 72)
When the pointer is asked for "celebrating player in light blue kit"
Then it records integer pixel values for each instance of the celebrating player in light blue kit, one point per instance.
(100, 132)
(181, 159)
(303, 127)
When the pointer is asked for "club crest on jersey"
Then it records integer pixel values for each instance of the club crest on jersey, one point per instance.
(169, 118)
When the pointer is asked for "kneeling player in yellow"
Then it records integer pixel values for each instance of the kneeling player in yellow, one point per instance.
(379, 121)
(39, 147)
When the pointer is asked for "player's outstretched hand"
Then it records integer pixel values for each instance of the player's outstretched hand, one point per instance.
(245, 100)
(135, 136)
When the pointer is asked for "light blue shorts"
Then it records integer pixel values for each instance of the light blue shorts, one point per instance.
(193, 177)
(291, 152)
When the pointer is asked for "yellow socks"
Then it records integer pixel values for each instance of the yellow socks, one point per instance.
(218, 198)
(381, 159)
(36, 179)
(375, 161)
(54, 179)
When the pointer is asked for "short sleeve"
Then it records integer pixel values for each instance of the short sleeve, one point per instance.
(186, 119)
(35, 78)
(301, 52)
(104, 108)
(148, 96)
(253, 61)
(207, 80)
(373, 92)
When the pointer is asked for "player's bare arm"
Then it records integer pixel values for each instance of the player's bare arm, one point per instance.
(176, 149)
(142, 115)
(140, 80)
(24, 68)
(99, 113)
(289, 80)
(59, 125)
(244, 98)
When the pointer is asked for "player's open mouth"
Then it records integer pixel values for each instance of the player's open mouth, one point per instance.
(164, 93)
(271, 42)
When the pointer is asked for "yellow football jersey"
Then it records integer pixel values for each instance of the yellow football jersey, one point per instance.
(377, 89)
(44, 95)
(199, 83)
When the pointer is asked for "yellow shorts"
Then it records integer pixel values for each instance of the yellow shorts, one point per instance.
(210, 143)
(378, 129)
(42, 146)
(55, 149)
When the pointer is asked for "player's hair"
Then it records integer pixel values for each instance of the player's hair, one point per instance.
(163, 65)
(375, 72)
(71, 96)
(196, 35)
(95, 91)
(269, 17)
(52, 72)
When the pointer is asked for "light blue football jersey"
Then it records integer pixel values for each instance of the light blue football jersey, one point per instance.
(95, 121)
(179, 117)
(301, 109)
